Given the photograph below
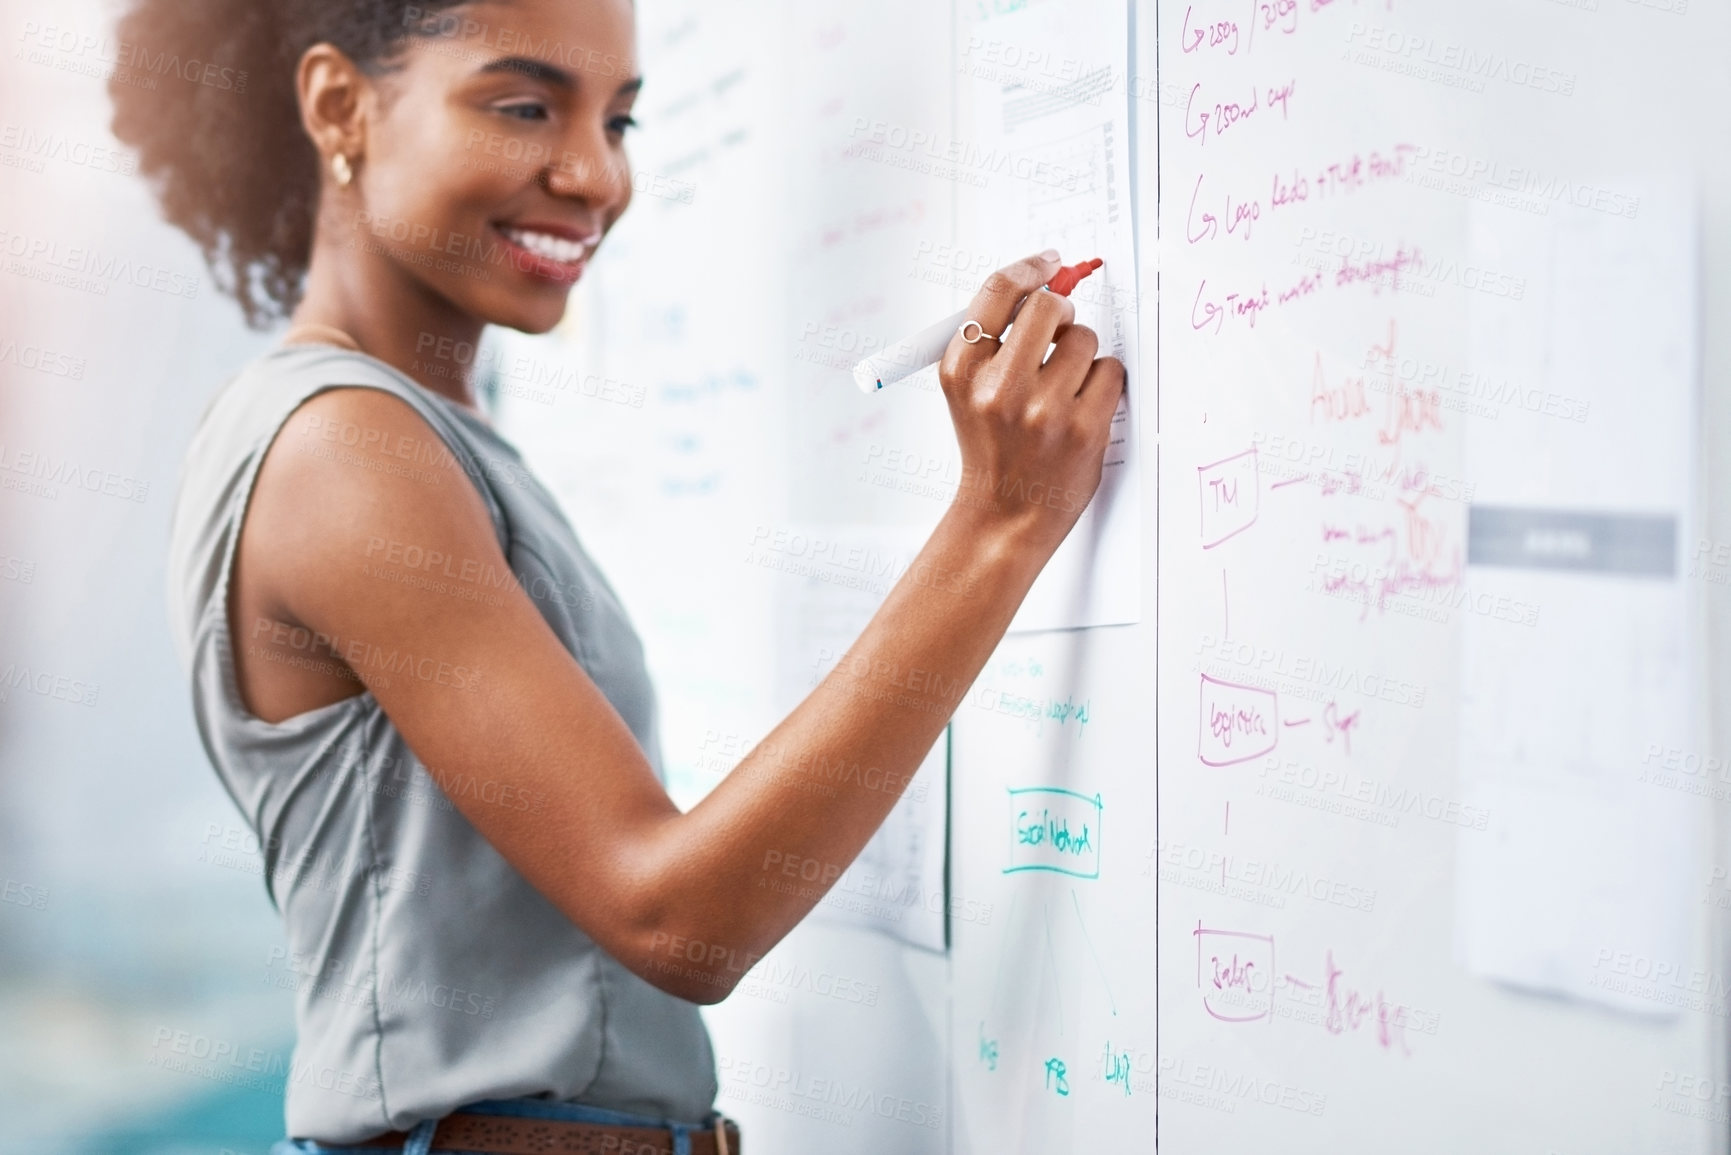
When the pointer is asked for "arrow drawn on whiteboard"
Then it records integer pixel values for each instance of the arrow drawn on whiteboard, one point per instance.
(1225, 608)
(1003, 956)
(1089, 939)
(1052, 962)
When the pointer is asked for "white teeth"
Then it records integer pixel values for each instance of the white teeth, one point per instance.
(546, 245)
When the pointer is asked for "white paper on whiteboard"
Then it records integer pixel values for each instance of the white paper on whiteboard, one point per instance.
(897, 885)
(1060, 178)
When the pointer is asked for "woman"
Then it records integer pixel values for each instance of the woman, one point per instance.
(413, 682)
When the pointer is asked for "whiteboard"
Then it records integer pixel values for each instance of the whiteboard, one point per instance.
(1351, 828)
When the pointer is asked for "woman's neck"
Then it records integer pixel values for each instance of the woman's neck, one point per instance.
(394, 320)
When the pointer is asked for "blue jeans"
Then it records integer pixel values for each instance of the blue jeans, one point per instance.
(421, 1137)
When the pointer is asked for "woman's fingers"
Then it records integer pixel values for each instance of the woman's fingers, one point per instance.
(1069, 362)
(997, 298)
(1102, 389)
(1043, 315)
(992, 307)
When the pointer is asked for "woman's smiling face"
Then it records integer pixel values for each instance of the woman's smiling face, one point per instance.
(494, 160)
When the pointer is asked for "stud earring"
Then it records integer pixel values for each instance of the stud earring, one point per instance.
(342, 170)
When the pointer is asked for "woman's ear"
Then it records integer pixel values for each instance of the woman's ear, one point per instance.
(333, 110)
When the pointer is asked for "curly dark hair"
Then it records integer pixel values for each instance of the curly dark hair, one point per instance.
(220, 139)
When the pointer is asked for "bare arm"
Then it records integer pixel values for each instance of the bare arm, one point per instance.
(608, 847)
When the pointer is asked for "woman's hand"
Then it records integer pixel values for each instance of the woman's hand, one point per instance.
(1033, 430)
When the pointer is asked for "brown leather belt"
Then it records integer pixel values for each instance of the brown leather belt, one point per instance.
(511, 1135)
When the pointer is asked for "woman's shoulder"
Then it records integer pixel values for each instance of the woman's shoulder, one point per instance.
(312, 391)
(276, 382)
(301, 394)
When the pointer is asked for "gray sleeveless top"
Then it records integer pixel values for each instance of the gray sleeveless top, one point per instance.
(427, 972)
